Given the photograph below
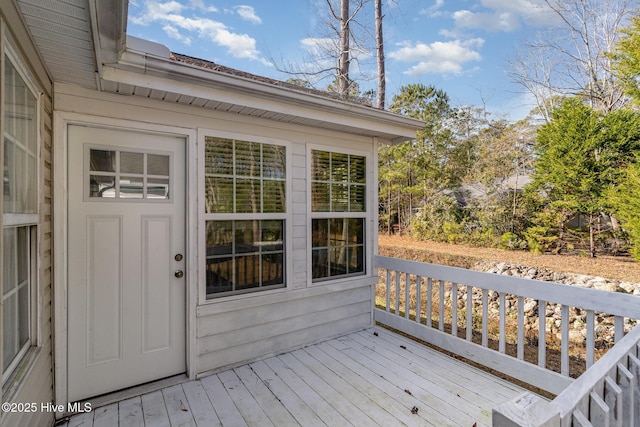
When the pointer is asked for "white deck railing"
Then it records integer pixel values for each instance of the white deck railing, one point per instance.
(420, 309)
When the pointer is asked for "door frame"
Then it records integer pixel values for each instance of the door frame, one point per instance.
(61, 121)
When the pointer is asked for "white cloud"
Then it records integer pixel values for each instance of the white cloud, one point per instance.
(200, 4)
(505, 15)
(175, 34)
(434, 10)
(177, 19)
(248, 13)
(438, 57)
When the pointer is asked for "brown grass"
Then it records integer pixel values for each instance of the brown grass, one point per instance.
(620, 268)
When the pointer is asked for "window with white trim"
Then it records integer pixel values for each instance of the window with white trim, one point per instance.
(20, 212)
(245, 216)
(338, 205)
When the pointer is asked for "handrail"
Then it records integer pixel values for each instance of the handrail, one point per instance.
(606, 394)
(418, 309)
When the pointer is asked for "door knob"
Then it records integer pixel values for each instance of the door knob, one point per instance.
(179, 274)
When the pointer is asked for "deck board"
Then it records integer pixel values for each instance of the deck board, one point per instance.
(359, 379)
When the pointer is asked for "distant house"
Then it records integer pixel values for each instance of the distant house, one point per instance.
(165, 215)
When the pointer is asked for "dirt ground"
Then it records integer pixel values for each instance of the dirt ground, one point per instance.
(621, 268)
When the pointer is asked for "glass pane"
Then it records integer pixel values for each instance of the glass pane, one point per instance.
(357, 171)
(337, 261)
(22, 254)
(157, 164)
(219, 238)
(102, 186)
(356, 260)
(247, 236)
(273, 161)
(157, 188)
(131, 187)
(102, 161)
(339, 167)
(320, 197)
(319, 233)
(320, 165)
(272, 269)
(319, 263)
(23, 315)
(337, 232)
(357, 198)
(131, 162)
(9, 328)
(339, 198)
(356, 231)
(274, 196)
(247, 272)
(272, 236)
(7, 179)
(9, 255)
(248, 195)
(218, 195)
(219, 275)
(247, 158)
(218, 156)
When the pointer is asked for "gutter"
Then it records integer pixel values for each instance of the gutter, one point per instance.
(149, 65)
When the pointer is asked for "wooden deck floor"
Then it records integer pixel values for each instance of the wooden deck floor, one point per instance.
(359, 379)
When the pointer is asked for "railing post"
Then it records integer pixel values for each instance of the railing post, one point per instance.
(526, 410)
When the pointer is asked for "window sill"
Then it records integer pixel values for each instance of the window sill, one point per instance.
(12, 385)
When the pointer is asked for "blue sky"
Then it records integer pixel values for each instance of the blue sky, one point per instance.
(459, 46)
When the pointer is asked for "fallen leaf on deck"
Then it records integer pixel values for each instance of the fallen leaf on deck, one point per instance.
(414, 410)
(408, 392)
(403, 347)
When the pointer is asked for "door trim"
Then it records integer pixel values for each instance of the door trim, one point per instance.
(61, 120)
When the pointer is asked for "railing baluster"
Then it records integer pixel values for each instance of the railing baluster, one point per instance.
(564, 353)
(591, 345)
(542, 333)
(454, 309)
(469, 313)
(598, 410)
(441, 305)
(429, 300)
(397, 293)
(485, 317)
(618, 328)
(388, 291)
(625, 382)
(418, 302)
(407, 300)
(502, 345)
(521, 328)
(613, 399)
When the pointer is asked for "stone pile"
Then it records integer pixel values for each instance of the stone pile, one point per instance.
(604, 324)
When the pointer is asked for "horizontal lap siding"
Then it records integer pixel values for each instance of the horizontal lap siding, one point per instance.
(236, 336)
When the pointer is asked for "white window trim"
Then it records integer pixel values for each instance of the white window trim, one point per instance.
(369, 237)
(204, 217)
(13, 220)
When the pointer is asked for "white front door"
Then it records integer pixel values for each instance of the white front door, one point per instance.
(126, 254)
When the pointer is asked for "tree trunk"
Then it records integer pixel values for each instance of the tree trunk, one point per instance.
(382, 86)
(343, 60)
(592, 242)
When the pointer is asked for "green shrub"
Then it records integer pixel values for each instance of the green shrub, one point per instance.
(511, 241)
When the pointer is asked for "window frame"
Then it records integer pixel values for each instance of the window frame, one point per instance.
(31, 220)
(204, 217)
(365, 215)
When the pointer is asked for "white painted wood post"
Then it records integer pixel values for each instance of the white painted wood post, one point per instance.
(526, 410)
(469, 313)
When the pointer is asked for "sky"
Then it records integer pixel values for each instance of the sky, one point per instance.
(462, 46)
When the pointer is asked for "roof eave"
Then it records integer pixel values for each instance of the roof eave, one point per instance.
(155, 71)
